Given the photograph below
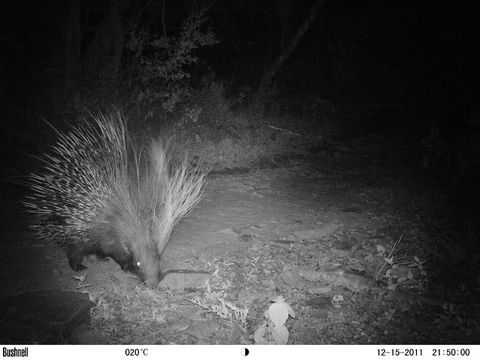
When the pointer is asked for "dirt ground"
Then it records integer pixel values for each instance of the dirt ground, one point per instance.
(339, 233)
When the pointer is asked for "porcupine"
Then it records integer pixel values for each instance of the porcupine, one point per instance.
(101, 194)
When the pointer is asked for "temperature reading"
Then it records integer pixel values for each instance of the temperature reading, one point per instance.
(136, 352)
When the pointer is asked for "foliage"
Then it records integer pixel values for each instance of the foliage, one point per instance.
(212, 99)
(436, 150)
(215, 298)
(162, 61)
(408, 273)
(208, 103)
(273, 329)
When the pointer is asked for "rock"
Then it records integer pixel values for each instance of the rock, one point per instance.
(320, 290)
(344, 245)
(317, 233)
(292, 278)
(185, 280)
(319, 302)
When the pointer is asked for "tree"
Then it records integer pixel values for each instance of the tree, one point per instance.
(73, 44)
(103, 55)
(269, 75)
(105, 51)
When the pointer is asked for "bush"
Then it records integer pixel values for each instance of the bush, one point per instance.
(161, 62)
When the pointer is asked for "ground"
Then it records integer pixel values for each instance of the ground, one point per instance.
(338, 233)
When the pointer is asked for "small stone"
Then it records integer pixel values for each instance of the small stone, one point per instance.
(319, 302)
(340, 253)
(292, 278)
(246, 238)
(291, 238)
(185, 280)
(343, 245)
(321, 290)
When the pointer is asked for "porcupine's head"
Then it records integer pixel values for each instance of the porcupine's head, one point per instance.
(124, 234)
(129, 242)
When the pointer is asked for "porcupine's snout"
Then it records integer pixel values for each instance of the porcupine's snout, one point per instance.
(141, 257)
(146, 267)
(149, 269)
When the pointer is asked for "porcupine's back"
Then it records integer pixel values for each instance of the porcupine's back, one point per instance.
(86, 201)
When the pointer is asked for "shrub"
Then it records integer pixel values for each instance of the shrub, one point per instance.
(161, 62)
